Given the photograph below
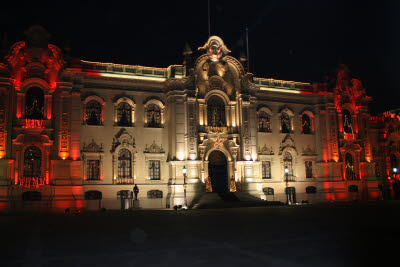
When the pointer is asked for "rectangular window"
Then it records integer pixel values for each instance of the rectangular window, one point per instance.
(154, 170)
(309, 173)
(266, 169)
(93, 170)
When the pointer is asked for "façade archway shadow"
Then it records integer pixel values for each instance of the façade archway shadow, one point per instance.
(218, 171)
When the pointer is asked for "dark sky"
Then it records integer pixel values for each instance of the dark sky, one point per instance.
(288, 39)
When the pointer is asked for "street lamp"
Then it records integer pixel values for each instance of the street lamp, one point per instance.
(184, 187)
(287, 185)
(395, 172)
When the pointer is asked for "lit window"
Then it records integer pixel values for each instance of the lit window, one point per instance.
(347, 126)
(285, 123)
(93, 113)
(124, 164)
(350, 172)
(264, 122)
(32, 162)
(124, 114)
(216, 111)
(34, 104)
(287, 163)
(154, 169)
(93, 170)
(266, 169)
(153, 116)
(306, 124)
(309, 172)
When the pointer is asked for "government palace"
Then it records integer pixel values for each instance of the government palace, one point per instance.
(84, 135)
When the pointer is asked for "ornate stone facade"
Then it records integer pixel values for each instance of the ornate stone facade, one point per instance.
(102, 128)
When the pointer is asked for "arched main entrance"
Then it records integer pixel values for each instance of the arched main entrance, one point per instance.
(217, 169)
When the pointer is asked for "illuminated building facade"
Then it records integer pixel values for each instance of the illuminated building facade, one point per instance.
(82, 136)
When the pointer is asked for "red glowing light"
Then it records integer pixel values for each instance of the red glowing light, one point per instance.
(30, 123)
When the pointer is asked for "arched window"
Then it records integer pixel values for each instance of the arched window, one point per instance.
(264, 122)
(124, 164)
(33, 162)
(350, 172)
(306, 124)
(124, 114)
(287, 163)
(393, 164)
(93, 113)
(153, 116)
(216, 112)
(34, 104)
(347, 122)
(286, 125)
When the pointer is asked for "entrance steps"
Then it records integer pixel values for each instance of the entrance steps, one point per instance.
(230, 200)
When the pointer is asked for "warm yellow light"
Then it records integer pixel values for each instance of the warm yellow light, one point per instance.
(63, 155)
(180, 156)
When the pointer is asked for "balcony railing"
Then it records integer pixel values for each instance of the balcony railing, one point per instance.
(349, 136)
(124, 181)
(290, 178)
(218, 129)
(31, 181)
(33, 124)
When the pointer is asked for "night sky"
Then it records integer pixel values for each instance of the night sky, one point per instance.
(290, 40)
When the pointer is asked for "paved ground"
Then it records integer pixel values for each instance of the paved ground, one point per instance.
(356, 234)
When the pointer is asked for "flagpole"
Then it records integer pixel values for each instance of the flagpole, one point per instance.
(209, 19)
(247, 44)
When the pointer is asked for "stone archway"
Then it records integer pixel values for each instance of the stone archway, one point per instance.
(218, 171)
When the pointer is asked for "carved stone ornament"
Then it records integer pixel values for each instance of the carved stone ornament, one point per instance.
(124, 139)
(218, 141)
(308, 151)
(287, 142)
(216, 48)
(92, 147)
(154, 148)
(216, 83)
(265, 150)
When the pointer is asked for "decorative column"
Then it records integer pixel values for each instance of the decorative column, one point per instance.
(227, 116)
(245, 132)
(191, 129)
(205, 115)
(333, 138)
(201, 113)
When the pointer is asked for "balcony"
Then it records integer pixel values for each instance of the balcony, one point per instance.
(218, 129)
(124, 181)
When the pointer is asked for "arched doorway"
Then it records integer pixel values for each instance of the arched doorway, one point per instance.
(217, 169)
